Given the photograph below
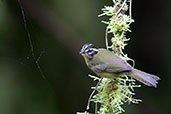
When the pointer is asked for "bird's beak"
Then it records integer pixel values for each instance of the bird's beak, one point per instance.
(82, 52)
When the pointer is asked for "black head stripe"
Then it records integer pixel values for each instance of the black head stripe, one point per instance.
(91, 52)
(86, 47)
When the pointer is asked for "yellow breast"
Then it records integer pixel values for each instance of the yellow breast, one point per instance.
(107, 75)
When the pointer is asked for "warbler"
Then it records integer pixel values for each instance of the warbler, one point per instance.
(107, 64)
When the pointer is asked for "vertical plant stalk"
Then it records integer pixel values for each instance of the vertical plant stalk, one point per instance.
(112, 94)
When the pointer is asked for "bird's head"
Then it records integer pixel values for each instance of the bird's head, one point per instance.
(89, 50)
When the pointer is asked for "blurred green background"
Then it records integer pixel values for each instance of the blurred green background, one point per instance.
(58, 29)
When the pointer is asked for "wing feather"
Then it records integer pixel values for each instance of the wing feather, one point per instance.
(110, 62)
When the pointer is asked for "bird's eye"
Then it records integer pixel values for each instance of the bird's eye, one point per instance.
(91, 52)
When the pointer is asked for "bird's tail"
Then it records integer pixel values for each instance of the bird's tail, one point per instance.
(145, 78)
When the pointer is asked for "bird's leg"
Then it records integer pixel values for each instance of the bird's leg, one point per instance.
(113, 86)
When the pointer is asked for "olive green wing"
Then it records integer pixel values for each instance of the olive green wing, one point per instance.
(110, 62)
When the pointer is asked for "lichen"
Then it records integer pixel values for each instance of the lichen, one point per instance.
(113, 93)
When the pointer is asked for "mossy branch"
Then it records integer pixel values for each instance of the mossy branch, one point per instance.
(113, 93)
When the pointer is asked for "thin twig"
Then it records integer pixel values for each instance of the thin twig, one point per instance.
(130, 9)
(89, 100)
(53, 25)
(106, 38)
(40, 56)
(120, 8)
(30, 40)
(96, 108)
(133, 62)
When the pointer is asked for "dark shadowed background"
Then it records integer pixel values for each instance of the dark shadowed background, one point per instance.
(58, 29)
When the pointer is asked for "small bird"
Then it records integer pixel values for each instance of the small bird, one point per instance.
(107, 64)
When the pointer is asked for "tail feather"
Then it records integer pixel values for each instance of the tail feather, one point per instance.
(145, 78)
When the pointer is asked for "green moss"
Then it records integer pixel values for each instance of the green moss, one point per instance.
(112, 94)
